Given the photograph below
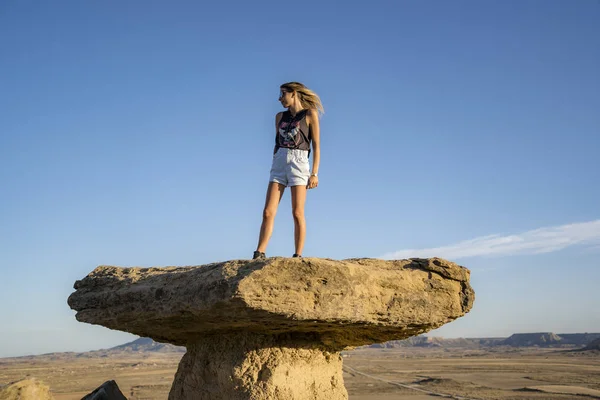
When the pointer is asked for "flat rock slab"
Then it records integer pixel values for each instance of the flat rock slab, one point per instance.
(336, 303)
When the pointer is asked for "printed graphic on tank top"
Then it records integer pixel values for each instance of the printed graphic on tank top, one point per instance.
(293, 133)
(288, 134)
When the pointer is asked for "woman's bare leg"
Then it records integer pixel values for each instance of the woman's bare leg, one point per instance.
(298, 200)
(274, 193)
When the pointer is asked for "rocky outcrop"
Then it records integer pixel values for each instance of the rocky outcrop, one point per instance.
(109, 390)
(273, 329)
(25, 389)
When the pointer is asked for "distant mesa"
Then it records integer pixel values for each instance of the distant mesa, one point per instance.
(429, 342)
(544, 339)
(578, 339)
(274, 328)
(594, 345)
(150, 346)
(549, 339)
(417, 341)
(540, 339)
(25, 389)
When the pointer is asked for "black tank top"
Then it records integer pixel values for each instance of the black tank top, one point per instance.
(293, 132)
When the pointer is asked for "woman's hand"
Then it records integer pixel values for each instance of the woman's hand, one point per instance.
(313, 182)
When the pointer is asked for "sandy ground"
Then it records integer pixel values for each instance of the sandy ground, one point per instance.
(369, 374)
(500, 374)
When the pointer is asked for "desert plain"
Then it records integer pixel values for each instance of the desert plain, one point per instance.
(412, 373)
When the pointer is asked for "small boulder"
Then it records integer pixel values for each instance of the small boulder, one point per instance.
(25, 389)
(108, 391)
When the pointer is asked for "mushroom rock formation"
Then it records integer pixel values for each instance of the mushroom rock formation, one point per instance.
(273, 328)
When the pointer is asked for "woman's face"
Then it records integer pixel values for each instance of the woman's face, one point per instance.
(285, 97)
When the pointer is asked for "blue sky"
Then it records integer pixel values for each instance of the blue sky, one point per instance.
(139, 133)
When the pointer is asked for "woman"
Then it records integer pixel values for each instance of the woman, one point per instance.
(295, 130)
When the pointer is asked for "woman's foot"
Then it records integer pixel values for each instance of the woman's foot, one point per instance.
(259, 255)
(297, 256)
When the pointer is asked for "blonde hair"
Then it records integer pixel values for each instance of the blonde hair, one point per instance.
(307, 97)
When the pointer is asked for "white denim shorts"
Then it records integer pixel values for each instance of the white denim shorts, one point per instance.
(290, 167)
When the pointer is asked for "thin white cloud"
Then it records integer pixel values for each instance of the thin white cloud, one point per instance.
(543, 240)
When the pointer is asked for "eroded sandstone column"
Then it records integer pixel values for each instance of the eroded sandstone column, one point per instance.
(247, 366)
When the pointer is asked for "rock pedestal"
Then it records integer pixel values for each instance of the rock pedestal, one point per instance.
(248, 366)
(274, 328)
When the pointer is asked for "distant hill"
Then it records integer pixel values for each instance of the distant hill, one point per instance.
(594, 345)
(440, 342)
(417, 341)
(549, 339)
(424, 341)
(579, 339)
(540, 339)
(489, 342)
(143, 345)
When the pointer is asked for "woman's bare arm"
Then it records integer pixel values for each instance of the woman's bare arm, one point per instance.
(315, 132)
